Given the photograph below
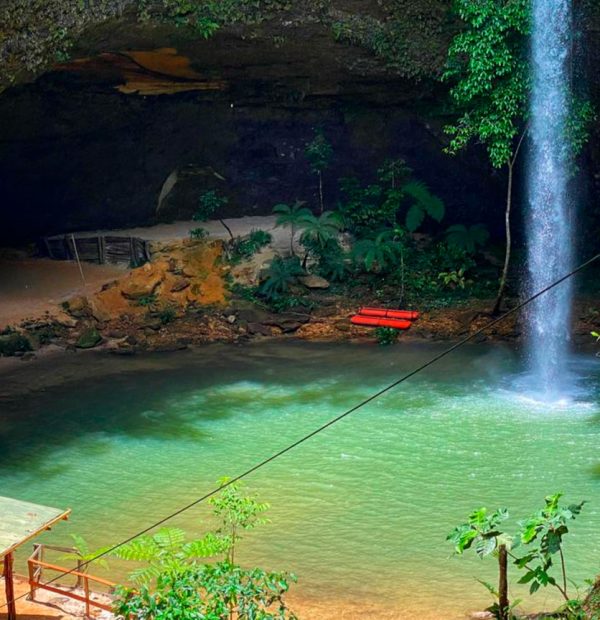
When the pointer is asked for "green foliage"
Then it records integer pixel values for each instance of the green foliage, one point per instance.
(423, 203)
(319, 152)
(332, 262)
(167, 552)
(467, 239)
(480, 532)
(317, 232)
(237, 513)
(488, 68)
(209, 203)
(582, 116)
(294, 216)
(454, 279)
(378, 205)
(174, 584)
(366, 208)
(543, 533)
(244, 248)
(280, 275)
(386, 335)
(14, 343)
(147, 301)
(394, 172)
(541, 536)
(249, 293)
(167, 314)
(218, 591)
(83, 553)
(377, 254)
(199, 233)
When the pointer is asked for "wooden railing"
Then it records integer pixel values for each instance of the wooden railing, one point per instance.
(37, 566)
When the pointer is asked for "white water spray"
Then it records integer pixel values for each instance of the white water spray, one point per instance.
(550, 238)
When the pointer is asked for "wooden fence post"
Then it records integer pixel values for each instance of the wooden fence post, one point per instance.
(9, 586)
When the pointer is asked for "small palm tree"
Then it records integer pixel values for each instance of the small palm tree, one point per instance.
(319, 231)
(293, 216)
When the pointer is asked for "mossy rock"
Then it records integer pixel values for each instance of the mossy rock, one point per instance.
(14, 343)
(89, 339)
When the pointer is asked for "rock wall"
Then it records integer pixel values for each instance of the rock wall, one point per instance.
(92, 143)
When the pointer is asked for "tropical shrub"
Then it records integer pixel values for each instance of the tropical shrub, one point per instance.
(218, 591)
(376, 254)
(386, 335)
(167, 314)
(175, 584)
(244, 248)
(540, 536)
(199, 233)
(455, 279)
(209, 204)
(332, 262)
(378, 205)
(280, 275)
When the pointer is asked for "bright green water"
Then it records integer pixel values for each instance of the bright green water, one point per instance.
(360, 511)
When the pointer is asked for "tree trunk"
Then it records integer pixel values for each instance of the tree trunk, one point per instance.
(503, 583)
(292, 242)
(504, 276)
(227, 229)
(321, 191)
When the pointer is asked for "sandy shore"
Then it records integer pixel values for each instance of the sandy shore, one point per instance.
(31, 287)
(305, 608)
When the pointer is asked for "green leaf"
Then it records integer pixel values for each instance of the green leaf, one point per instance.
(414, 218)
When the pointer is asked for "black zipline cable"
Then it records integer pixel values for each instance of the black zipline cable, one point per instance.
(325, 426)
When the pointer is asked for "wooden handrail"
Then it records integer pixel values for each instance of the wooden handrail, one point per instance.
(62, 569)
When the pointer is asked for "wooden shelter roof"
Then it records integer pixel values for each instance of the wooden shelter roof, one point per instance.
(22, 521)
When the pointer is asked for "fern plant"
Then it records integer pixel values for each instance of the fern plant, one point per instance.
(167, 551)
(280, 275)
(424, 203)
(377, 254)
(467, 239)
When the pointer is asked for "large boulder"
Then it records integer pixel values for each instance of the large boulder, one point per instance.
(313, 281)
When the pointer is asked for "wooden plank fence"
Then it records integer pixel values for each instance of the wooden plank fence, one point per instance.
(84, 594)
(99, 249)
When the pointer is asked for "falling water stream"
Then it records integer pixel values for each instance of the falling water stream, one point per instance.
(550, 238)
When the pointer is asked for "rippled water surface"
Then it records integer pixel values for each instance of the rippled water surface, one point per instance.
(359, 513)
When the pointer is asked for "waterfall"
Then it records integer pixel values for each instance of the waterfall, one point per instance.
(549, 225)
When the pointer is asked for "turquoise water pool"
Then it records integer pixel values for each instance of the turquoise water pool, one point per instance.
(359, 513)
